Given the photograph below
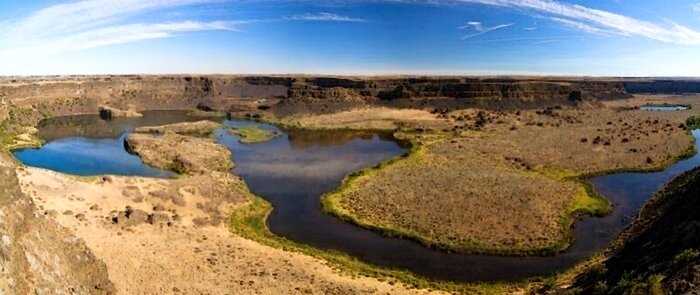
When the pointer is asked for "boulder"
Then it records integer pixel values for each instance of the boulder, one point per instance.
(107, 113)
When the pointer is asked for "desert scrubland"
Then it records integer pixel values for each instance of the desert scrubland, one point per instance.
(482, 149)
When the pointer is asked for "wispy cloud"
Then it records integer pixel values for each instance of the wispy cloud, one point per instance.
(114, 35)
(532, 40)
(94, 23)
(83, 15)
(479, 29)
(696, 7)
(583, 26)
(595, 20)
(324, 16)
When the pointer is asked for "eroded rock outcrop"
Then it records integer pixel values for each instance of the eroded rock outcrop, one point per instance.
(57, 96)
(205, 168)
(36, 254)
(179, 153)
(107, 113)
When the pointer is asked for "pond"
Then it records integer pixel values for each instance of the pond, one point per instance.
(87, 145)
(294, 170)
(664, 107)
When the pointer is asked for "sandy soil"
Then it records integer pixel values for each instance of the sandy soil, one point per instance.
(145, 258)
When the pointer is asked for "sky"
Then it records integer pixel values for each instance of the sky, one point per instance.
(351, 37)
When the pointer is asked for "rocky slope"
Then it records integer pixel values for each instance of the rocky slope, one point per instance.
(660, 251)
(38, 256)
(294, 94)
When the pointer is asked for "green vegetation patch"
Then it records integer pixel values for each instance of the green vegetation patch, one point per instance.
(253, 134)
(693, 122)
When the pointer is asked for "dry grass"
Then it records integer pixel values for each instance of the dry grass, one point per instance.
(450, 196)
(506, 183)
(377, 118)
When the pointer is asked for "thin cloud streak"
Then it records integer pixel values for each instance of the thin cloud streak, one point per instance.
(538, 40)
(583, 27)
(83, 15)
(588, 18)
(480, 29)
(602, 20)
(115, 35)
(95, 23)
(323, 16)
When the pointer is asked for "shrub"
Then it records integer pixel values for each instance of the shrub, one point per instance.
(686, 256)
(693, 122)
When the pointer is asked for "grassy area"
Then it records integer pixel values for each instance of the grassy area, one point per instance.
(588, 202)
(253, 134)
(249, 221)
(585, 201)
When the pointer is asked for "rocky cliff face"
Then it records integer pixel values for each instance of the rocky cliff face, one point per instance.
(663, 86)
(85, 95)
(660, 251)
(37, 256)
(61, 96)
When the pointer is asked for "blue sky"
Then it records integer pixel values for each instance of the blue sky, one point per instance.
(374, 37)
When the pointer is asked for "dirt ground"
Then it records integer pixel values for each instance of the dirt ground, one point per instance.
(498, 181)
(175, 254)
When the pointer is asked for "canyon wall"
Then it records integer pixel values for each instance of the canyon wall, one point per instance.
(663, 86)
(659, 250)
(71, 95)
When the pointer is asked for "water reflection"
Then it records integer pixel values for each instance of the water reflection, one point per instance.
(292, 171)
(92, 126)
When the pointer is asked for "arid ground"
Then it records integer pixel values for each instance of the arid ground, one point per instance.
(457, 186)
(498, 176)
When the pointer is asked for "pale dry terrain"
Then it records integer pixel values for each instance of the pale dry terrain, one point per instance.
(146, 256)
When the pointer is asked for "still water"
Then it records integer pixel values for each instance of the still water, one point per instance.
(295, 169)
